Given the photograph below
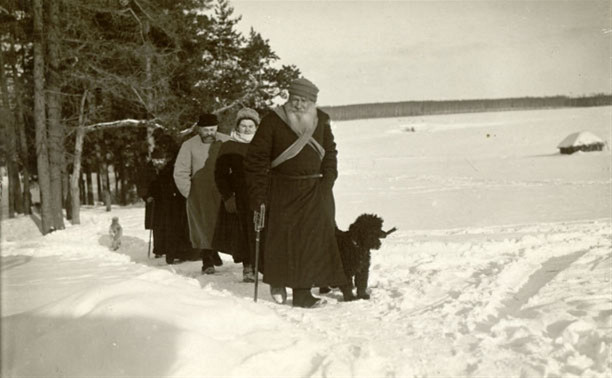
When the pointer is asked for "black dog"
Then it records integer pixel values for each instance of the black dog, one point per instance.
(355, 245)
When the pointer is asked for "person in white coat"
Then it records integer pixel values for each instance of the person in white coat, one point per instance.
(194, 177)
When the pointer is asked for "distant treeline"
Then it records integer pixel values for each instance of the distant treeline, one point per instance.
(418, 108)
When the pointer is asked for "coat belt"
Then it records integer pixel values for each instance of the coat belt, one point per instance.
(300, 177)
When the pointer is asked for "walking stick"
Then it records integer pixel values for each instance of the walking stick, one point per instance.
(258, 220)
(149, 251)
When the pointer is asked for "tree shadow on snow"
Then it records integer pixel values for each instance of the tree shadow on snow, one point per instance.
(48, 346)
(10, 262)
(37, 220)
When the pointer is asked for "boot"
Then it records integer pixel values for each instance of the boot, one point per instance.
(208, 266)
(362, 294)
(303, 298)
(279, 294)
(347, 293)
(169, 259)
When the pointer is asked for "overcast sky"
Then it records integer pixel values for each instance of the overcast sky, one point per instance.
(376, 51)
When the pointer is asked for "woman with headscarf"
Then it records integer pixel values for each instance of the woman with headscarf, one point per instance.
(234, 233)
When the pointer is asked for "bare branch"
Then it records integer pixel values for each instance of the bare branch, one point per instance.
(82, 108)
(123, 123)
(239, 101)
(140, 98)
(143, 11)
(141, 26)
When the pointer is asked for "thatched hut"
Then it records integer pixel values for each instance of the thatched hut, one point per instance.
(581, 141)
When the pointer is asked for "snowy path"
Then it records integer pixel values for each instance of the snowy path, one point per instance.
(441, 306)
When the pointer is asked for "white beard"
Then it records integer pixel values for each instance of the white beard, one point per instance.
(303, 121)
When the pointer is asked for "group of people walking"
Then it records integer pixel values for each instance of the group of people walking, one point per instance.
(286, 161)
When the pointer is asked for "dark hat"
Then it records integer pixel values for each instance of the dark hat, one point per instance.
(304, 88)
(207, 120)
(247, 113)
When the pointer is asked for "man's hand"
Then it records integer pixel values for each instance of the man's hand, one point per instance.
(150, 199)
(230, 205)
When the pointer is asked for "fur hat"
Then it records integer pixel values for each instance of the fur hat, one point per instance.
(247, 113)
(304, 88)
(207, 120)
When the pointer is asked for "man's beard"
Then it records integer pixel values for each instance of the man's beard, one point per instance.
(303, 120)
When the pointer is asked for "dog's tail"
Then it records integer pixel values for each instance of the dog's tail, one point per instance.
(386, 233)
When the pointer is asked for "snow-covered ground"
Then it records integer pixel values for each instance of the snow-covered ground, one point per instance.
(501, 267)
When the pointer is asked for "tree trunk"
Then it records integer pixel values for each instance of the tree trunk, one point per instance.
(76, 176)
(105, 185)
(117, 179)
(42, 153)
(90, 191)
(24, 153)
(149, 85)
(15, 195)
(103, 188)
(76, 164)
(99, 185)
(14, 188)
(67, 197)
(123, 194)
(25, 159)
(82, 188)
(56, 129)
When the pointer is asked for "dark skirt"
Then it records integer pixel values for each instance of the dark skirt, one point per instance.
(235, 235)
(228, 236)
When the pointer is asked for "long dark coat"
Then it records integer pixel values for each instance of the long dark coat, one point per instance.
(234, 233)
(203, 202)
(169, 220)
(300, 246)
(144, 179)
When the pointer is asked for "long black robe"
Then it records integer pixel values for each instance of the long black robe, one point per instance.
(300, 245)
(169, 220)
(234, 233)
(145, 177)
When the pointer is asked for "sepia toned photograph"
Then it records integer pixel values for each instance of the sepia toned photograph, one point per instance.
(301, 188)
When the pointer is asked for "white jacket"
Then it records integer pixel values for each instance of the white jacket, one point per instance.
(190, 159)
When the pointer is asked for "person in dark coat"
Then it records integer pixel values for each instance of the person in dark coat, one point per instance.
(170, 227)
(291, 166)
(146, 176)
(234, 231)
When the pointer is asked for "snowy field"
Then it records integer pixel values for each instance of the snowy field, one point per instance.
(501, 267)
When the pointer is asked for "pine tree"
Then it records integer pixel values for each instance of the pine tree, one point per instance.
(116, 68)
(42, 155)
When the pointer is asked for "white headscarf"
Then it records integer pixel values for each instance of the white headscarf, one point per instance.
(240, 137)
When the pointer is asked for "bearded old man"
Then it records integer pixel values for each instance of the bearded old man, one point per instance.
(194, 171)
(291, 166)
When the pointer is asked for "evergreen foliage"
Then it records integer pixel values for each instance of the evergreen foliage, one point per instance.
(121, 69)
